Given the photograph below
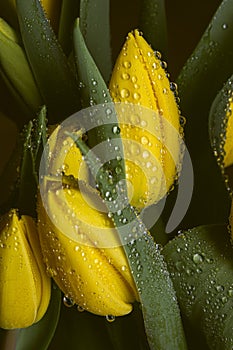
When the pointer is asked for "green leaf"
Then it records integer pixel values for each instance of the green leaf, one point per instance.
(69, 12)
(153, 24)
(16, 72)
(95, 27)
(210, 65)
(53, 75)
(34, 135)
(95, 92)
(93, 88)
(159, 305)
(42, 332)
(203, 75)
(201, 265)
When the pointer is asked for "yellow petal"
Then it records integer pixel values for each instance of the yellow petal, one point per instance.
(97, 279)
(19, 277)
(52, 9)
(24, 286)
(65, 156)
(45, 285)
(138, 78)
(228, 146)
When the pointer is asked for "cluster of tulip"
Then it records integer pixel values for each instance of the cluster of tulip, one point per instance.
(35, 252)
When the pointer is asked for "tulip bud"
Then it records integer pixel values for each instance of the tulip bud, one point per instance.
(15, 69)
(221, 125)
(82, 250)
(228, 146)
(52, 9)
(139, 78)
(24, 284)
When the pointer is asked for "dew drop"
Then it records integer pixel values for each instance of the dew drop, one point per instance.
(158, 55)
(124, 93)
(68, 302)
(80, 308)
(126, 64)
(219, 288)
(173, 86)
(134, 79)
(116, 129)
(110, 318)
(197, 258)
(94, 82)
(136, 96)
(125, 76)
(144, 140)
(163, 64)
(145, 154)
(224, 299)
(224, 26)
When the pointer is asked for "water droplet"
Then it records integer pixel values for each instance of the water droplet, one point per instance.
(80, 308)
(126, 64)
(94, 82)
(123, 268)
(158, 55)
(124, 93)
(145, 154)
(110, 318)
(136, 96)
(219, 288)
(163, 64)
(125, 76)
(197, 258)
(173, 87)
(68, 302)
(116, 129)
(144, 140)
(134, 79)
(224, 299)
(224, 26)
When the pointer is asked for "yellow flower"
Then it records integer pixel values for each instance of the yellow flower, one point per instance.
(52, 9)
(24, 284)
(228, 146)
(139, 78)
(80, 245)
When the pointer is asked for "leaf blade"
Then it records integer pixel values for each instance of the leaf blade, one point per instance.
(94, 22)
(54, 77)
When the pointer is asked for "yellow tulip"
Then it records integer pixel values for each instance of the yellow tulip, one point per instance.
(52, 9)
(82, 250)
(24, 284)
(228, 146)
(139, 78)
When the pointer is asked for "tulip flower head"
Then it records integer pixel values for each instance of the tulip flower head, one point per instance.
(139, 78)
(228, 146)
(25, 286)
(90, 268)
